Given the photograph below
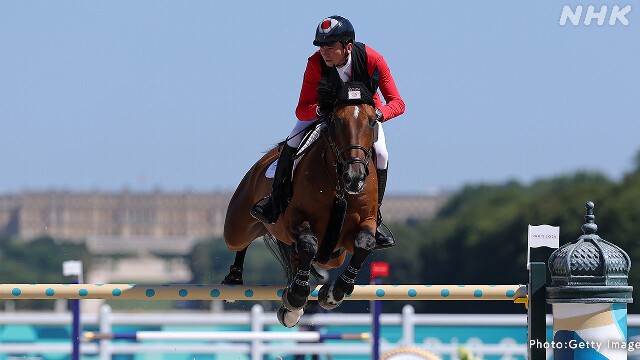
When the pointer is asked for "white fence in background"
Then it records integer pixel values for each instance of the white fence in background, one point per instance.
(257, 319)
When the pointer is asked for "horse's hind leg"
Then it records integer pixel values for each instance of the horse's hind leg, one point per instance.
(234, 277)
(332, 294)
(239, 241)
(295, 296)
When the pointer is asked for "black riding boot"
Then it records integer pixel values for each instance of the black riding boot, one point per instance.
(269, 212)
(383, 241)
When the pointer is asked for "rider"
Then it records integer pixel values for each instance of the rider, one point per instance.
(355, 61)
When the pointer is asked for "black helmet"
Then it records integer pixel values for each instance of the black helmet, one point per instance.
(333, 29)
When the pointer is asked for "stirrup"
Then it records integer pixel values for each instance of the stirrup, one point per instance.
(384, 241)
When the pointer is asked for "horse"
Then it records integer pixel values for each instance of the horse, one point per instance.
(334, 194)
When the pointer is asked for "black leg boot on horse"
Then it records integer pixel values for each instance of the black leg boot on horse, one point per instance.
(269, 212)
(234, 277)
(383, 241)
(295, 296)
(332, 293)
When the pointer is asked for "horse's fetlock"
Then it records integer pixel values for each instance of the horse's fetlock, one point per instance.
(300, 290)
(344, 285)
(348, 288)
(296, 296)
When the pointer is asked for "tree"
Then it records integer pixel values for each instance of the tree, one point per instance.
(38, 261)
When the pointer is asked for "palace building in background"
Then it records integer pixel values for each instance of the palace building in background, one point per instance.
(159, 222)
(140, 237)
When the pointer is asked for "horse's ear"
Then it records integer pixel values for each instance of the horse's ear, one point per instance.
(328, 91)
(325, 95)
(335, 81)
(375, 80)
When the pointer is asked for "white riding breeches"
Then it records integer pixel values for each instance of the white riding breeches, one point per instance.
(379, 147)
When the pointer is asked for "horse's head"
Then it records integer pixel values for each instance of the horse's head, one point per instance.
(352, 126)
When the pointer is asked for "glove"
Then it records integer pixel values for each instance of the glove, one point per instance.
(379, 116)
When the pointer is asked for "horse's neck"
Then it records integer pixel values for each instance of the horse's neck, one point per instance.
(318, 164)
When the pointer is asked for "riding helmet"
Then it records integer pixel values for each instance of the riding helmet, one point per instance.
(333, 29)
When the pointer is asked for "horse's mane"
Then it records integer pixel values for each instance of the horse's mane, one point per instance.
(328, 92)
(332, 94)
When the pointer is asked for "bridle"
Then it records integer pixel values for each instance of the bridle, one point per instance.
(340, 163)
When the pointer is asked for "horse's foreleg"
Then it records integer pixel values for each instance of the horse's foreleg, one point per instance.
(234, 277)
(296, 294)
(332, 294)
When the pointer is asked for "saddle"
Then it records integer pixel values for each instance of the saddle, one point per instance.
(311, 135)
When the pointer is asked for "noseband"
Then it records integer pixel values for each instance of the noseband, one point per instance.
(342, 162)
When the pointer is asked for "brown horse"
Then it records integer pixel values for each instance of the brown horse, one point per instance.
(333, 168)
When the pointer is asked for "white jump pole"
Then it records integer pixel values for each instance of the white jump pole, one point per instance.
(255, 292)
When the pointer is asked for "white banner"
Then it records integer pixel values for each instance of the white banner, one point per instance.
(72, 268)
(542, 235)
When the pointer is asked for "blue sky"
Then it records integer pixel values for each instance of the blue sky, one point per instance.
(188, 94)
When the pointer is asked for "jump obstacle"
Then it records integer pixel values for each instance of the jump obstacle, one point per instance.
(308, 336)
(573, 290)
(373, 292)
(255, 292)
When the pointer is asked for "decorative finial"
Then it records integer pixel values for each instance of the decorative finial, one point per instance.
(589, 227)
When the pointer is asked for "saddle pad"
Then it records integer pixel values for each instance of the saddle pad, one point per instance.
(271, 170)
(309, 138)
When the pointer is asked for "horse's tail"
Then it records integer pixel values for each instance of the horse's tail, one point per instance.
(283, 253)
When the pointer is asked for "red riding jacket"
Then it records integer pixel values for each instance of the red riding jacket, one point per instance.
(308, 102)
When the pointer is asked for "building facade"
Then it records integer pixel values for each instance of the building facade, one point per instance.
(140, 237)
(139, 222)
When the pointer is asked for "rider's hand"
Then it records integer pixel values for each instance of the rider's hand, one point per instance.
(379, 115)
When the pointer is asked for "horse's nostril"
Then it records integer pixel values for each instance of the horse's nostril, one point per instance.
(354, 176)
(354, 180)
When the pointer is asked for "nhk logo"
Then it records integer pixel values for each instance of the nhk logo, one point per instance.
(616, 14)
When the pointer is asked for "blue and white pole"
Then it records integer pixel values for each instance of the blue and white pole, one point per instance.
(590, 331)
(74, 268)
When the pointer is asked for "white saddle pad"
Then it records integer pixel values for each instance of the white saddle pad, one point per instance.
(309, 139)
(271, 170)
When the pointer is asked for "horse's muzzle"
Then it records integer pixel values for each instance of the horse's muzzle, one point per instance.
(354, 177)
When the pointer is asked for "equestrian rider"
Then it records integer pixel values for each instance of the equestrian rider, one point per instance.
(354, 61)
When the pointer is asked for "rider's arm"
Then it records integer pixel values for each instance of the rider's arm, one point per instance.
(308, 102)
(394, 105)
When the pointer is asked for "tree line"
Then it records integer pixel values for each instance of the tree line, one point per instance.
(478, 237)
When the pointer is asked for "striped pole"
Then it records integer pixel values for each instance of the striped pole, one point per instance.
(255, 292)
(309, 336)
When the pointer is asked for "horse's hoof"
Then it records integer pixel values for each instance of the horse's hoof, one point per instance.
(234, 277)
(232, 280)
(326, 300)
(289, 318)
(288, 303)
